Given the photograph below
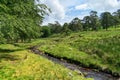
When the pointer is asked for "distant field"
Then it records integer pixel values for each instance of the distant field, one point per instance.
(20, 64)
(95, 49)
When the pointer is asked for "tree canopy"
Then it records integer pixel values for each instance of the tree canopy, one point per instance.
(75, 25)
(106, 20)
(20, 19)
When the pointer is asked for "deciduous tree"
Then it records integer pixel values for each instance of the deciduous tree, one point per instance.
(75, 25)
(106, 19)
(20, 19)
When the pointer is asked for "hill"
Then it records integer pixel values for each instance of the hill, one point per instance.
(94, 49)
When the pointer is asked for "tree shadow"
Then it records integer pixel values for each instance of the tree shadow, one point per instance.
(8, 50)
(5, 56)
(5, 50)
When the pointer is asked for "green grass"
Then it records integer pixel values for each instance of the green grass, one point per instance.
(99, 49)
(24, 65)
(8, 47)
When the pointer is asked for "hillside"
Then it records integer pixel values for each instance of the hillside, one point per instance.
(93, 49)
(97, 49)
(60, 40)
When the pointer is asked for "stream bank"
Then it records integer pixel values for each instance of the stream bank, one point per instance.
(88, 73)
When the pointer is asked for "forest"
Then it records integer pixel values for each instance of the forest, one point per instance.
(82, 49)
(92, 22)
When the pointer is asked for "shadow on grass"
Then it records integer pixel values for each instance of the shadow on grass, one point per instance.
(5, 56)
(8, 50)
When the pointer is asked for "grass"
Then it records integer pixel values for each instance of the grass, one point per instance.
(96, 49)
(100, 49)
(24, 65)
(9, 48)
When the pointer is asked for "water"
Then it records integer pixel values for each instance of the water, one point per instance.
(88, 73)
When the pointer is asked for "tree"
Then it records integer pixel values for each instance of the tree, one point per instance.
(118, 13)
(56, 27)
(46, 32)
(116, 20)
(106, 20)
(86, 23)
(65, 29)
(75, 25)
(94, 20)
(20, 19)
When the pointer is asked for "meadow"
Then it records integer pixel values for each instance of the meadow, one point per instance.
(99, 50)
(18, 63)
(94, 49)
(90, 42)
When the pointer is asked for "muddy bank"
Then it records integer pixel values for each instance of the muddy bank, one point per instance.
(73, 65)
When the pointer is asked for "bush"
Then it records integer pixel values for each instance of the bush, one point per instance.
(46, 31)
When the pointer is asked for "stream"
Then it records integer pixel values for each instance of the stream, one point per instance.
(88, 73)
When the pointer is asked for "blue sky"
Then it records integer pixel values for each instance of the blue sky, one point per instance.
(65, 10)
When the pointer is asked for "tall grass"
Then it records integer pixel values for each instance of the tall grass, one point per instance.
(99, 49)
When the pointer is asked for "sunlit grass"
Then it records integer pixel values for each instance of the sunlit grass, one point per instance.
(93, 48)
(9, 47)
(24, 65)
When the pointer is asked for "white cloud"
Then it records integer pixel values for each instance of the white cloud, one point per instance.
(81, 7)
(58, 11)
(68, 3)
(99, 5)
(103, 5)
(57, 8)
(64, 10)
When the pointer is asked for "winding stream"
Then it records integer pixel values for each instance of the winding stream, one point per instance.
(88, 73)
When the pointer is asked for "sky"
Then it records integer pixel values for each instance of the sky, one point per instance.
(65, 10)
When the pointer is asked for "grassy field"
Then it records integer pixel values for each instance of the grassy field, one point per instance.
(100, 49)
(20, 64)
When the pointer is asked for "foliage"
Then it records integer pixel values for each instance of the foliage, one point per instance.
(116, 19)
(20, 20)
(75, 25)
(106, 20)
(55, 28)
(91, 22)
(65, 29)
(46, 31)
(86, 23)
(94, 20)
